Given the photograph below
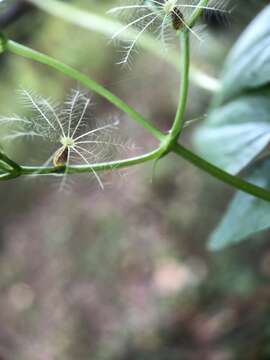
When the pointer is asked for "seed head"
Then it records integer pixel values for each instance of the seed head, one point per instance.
(162, 17)
(72, 135)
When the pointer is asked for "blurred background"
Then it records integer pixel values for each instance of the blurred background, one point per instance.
(124, 273)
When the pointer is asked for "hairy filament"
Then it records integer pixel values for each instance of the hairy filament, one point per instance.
(94, 131)
(131, 24)
(136, 38)
(35, 105)
(82, 115)
(71, 110)
(92, 169)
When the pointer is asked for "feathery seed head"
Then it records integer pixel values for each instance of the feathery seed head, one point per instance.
(67, 141)
(162, 17)
(72, 137)
(169, 6)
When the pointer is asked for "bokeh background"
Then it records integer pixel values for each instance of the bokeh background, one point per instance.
(123, 273)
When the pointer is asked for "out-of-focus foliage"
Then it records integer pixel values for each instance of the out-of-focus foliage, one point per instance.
(246, 215)
(237, 132)
(247, 67)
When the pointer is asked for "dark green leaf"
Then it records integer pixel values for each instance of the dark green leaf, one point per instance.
(235, 133)
(248, 65)
(246, 214)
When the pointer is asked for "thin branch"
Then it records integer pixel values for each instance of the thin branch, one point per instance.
(184, 85)
(232, 180)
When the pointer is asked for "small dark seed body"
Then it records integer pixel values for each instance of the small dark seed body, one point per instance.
(60, 157)
(177, 18)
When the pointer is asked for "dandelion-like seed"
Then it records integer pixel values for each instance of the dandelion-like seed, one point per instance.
(67, 129)
(161, 17)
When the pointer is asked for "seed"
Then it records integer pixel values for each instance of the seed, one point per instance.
(177, 18)
(61, 156)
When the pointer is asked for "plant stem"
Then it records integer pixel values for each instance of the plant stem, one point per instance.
(79, 169)
(11, 164)
(166, 142)
(233, 180)
(184, 85)
(178, 149)
(29, 53)
(11, 169)
(197, 13)
(184, 71)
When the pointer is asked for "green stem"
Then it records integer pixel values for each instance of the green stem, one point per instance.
(14, 167)
(79, 169)
(183, 93)
(10, 168)
(197, 13)
(9, 176)
(234, 181)
(17, 170)
(31, 54)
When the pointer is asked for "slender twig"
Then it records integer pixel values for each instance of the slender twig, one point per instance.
(232, 180)
(11, 164)
(167, 142)
(197, 13)
(11, 168)
(80, 169)
(184, 84)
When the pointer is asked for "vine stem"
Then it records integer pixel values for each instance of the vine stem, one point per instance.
(31, 54)
(11, 164)
(179, 150)
(166, 141)
(184, 86)
(178, 123)
(197, 13)
(10, 169)
(80, 169)
(233, 180)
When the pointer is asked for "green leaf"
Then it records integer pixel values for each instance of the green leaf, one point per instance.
(248, 65)
(236, 133)
(246, 214)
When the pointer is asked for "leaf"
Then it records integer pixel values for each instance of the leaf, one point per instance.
(236, 133)
(248, 65)
(246, 215)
